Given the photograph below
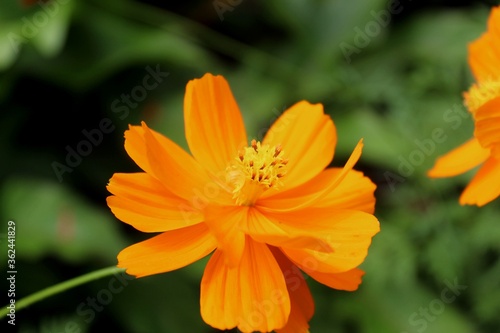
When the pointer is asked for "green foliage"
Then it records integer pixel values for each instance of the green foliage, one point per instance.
(55, 221)
(397, 92)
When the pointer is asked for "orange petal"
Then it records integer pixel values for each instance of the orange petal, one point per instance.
(224, 222)
(301, 299)
(484, 53)
(485, 186)
(178, 171)
(459, 160)
(348, 281)
(265, 230)
(253, 296)
(165, 160)
(483, 59)
(214, 127)
(308, 138)
(487, 130)
(347, 232)
(135, 146)
(141, 201)
(219, 299)
(168, 251)
(330, 186)
(355, 191)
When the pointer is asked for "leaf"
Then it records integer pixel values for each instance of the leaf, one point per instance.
(9, 45)
(51, 36)
(52, 220)
(111, 42)
(43, 25)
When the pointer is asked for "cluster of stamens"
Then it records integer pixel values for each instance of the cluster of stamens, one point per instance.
(256, 169)
(479, 94)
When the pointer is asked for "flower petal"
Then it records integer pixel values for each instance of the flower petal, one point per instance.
(177, 170)
(348, 281)
(459, 160)
(165, 160)
(214, 127)
(302, 303)
(318, 196)
(224, 222)
(219, 299)
(308, 138)
(487, 130)
(483, 59)
(168, 251)
(347, 232)
(484, 52)
(355, 191)
(135, 146)
(266, 230)
(253, 296)
(485, 186)
(141, 201)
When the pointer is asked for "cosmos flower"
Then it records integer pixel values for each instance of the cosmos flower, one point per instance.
(266, 211)
(483, 102)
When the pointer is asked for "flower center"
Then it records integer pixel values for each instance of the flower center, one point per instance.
(479, 94)
(255, 170)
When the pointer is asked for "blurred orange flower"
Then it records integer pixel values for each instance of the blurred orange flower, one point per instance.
(267, 209)
(483, 102)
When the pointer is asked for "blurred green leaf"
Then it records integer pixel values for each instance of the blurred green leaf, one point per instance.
(165, 303)
(51, 36)
(8, 51)
(54, 324)
(43, 26)
(52, 220)
(115, 42)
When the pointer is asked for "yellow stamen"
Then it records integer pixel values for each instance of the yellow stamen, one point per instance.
(479, 94)
(255, 170)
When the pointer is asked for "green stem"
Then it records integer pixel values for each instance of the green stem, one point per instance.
(58, 288)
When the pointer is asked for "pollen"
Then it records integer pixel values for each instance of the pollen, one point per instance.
(256, 169)
(479, 94)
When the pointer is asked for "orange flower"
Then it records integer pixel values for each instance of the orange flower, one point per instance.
(268, 209)
(483, 102)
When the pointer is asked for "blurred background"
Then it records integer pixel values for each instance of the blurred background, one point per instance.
(75, 73)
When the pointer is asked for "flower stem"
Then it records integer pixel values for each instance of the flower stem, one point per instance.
(58, 288)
